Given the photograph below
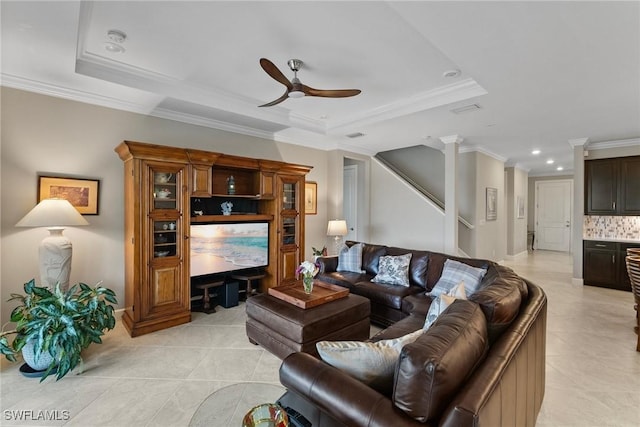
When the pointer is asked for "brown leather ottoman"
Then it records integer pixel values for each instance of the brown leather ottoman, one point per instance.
(283, 328)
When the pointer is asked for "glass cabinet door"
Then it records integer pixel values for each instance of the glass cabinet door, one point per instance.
(165, 190)
(289, 196)
(289, 226)
(165, 239)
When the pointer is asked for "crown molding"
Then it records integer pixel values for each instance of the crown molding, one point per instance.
(456, 92)
(483, 151)
(451, 139)
(577, 142)
(164, 113)
(566, 172)
(42, 88)
(614, 144)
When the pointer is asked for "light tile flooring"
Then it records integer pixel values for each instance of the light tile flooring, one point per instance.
(593, 370)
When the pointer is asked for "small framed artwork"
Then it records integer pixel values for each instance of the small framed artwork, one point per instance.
(310, 198)
(492, 204)
(520, 207)
(81, 193)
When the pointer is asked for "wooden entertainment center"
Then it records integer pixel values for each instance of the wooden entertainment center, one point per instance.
(163, 187)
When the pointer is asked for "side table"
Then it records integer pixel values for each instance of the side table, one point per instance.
(228, 405)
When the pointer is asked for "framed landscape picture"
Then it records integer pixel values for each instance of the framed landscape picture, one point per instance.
(81, 193)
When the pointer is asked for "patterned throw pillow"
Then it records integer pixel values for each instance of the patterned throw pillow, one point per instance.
(373, 363)
(350, 258)
(455, 272)
(440, 303)
(393, 270)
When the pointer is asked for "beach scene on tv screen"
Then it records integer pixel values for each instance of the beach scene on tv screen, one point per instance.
(217, 248)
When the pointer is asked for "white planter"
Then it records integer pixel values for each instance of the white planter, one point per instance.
(29, 356)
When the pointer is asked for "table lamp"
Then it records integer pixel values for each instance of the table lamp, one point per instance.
(55, 249)
(337, 228)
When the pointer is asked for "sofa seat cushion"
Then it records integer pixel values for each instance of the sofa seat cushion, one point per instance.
(383, 294)
(342, 278)
(432, 369)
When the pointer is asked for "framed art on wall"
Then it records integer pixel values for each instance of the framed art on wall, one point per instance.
(520, 207)
(81, 193)
(310, 198)
(492, 204)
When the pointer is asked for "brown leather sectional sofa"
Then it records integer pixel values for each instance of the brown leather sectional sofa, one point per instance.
(482, 363)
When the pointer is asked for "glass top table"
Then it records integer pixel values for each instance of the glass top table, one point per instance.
(228, 405)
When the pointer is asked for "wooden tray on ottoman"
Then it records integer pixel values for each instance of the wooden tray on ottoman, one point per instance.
(322, 293)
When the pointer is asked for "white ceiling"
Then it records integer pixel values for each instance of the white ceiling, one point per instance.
(543, 73)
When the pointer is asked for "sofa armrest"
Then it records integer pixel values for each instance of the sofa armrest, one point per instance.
(339, 395)
(327, 264)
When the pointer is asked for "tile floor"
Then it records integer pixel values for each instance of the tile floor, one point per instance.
(160, 379)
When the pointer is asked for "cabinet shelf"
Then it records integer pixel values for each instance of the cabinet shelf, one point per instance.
(238, 196)
(230, 218)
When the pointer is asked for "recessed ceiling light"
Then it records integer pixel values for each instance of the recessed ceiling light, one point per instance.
(535, 152)
(550, 161)
(559, 168)
(451, 73)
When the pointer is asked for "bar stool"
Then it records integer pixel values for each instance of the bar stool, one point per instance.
(206, 305)
(248, 278)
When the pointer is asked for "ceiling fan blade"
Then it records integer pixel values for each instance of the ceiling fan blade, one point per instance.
(330, 93)
(277, 101)
(274, 72)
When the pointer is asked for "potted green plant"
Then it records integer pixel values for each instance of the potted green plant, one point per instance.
(319, 252)
(58, 324)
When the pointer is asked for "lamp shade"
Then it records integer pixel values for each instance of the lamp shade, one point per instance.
(52, 213)
(337, 227)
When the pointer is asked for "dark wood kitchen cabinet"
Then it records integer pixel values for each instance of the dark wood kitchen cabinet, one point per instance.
(612, 186)
(604, 264)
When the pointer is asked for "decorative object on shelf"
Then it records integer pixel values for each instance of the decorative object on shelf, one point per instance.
(310, 198)
(226, 208)
(231, 185)
(337, 228)
(308, 271)
(163, 178)
(59, 324)
(172, 226)
(81, 193)
(163, 193)
(492, 204)
(55, 250)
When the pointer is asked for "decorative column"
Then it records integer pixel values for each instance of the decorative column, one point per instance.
(578, 145)
(451, 146)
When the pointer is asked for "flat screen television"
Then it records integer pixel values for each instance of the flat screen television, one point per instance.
(225, 247)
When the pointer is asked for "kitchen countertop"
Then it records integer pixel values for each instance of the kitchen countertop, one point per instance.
(612, 239)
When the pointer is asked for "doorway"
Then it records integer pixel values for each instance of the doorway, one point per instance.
(553, 210)
(350, 200)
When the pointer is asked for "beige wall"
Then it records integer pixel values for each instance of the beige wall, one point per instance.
(46, 135)
(490, 236)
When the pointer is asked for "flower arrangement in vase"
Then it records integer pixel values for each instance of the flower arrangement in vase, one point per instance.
(308, 270)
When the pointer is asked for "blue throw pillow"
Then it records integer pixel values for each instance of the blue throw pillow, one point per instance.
(393, 270)
(455, 272)
(350, 259)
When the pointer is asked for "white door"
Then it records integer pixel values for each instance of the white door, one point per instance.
(554, 201)
(350, 201)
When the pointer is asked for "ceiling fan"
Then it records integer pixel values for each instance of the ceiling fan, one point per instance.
(295, 89)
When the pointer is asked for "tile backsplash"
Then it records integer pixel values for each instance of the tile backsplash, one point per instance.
(611, 227)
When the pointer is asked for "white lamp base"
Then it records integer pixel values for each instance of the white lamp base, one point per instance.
(55, 259)
(337, 244)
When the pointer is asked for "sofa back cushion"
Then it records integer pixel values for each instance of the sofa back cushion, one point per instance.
(436, 265)
(370, 256)
(417, 267)
(500, 298)
(433, 368)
